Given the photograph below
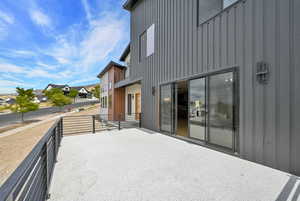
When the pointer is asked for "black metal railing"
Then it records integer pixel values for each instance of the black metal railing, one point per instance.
(31, 180)
(95, 123)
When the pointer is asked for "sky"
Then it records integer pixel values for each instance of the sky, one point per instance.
(59, 41)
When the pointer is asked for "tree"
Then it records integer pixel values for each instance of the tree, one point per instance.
(24, 102)
(60, 100)
(96, 91)
(73, 93)
(51, 92)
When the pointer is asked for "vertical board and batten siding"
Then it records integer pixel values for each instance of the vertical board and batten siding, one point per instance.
(242, 35)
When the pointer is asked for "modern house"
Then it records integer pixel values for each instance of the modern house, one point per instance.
(111, 99)
(221, 73)
(132, 90)
(82, 92)
(65, 88)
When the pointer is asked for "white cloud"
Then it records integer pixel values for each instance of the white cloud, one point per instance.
(13, 84)
(11, 68)
(9, 19)
(3, 31)
(5, 20)
(10, 77)
(47, 66)
(39, 18)
(17, 53)
(7, 90)
(83, 80)
(87, 10)
(83, 50)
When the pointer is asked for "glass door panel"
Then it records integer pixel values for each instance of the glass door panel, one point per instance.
(220, 110)
(166, 108)
(197, 109)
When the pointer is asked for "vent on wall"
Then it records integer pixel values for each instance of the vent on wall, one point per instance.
(262, 72)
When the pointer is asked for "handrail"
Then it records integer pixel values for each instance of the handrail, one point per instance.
(32, 178)
(24, 176)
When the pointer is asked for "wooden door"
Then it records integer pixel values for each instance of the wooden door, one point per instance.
(137, 106)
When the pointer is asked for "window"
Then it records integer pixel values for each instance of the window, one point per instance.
(110, 101)
(129, 104)
(143, 38)
(150, 40)
(146, 43)
(227, 3)
(104, 102)
(209, 8)
(110, 85)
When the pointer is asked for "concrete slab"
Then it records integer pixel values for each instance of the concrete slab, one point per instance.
(135, 165)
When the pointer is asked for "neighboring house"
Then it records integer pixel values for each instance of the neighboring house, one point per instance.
(222, 73)
(83, 92)
(42, 98)
(112, 99)
(65, 88)
(132, 90)
(10, 101)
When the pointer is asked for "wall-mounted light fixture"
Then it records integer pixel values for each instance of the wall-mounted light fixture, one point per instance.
(153, 91)
(262, 72)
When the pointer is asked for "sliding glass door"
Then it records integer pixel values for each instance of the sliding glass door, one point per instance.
(211, 109)
(202, 108)
(220, 110)
(197, 109)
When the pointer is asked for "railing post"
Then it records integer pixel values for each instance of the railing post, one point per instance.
(62, 127)
(94, 129)
(140, 120)
(46, 170)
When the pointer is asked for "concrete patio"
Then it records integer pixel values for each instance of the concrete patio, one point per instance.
(137, 165)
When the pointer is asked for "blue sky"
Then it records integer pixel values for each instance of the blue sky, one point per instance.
(59, 41)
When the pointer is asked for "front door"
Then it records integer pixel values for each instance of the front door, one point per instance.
(137, 106)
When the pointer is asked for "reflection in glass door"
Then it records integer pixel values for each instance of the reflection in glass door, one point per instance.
(220, 110)
(166, 108)
(197, 109)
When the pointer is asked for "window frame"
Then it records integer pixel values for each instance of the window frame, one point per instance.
(141, 58)
(222, 9)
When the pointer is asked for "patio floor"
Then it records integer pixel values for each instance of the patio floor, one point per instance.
(137, 165)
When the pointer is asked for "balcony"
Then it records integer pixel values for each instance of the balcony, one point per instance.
(138, 164)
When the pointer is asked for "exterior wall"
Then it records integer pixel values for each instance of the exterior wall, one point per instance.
(242, 35)
(115, 75)
(132, 89)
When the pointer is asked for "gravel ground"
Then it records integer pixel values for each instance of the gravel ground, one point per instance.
(135, 165)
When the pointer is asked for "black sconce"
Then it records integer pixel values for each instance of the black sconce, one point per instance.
(153, 91)
(262, 72)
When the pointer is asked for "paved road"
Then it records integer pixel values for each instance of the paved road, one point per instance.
(6, 119)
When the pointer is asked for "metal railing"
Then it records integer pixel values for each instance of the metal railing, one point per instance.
(31, 180)
(73, 125)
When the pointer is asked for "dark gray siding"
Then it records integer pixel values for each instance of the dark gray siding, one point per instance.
(249, 32)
